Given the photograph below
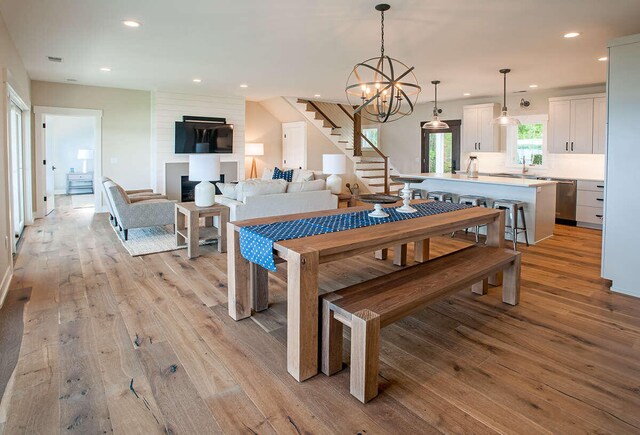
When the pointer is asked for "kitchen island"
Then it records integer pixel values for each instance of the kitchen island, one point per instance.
(539, 197)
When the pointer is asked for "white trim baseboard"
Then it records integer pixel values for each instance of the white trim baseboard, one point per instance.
(4, 286)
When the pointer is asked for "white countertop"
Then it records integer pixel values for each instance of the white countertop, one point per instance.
(561, 177)
(484, 179)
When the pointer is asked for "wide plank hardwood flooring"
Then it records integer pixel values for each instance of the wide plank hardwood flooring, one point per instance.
(113, 343)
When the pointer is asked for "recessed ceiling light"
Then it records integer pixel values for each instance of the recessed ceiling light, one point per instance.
(603, 59)
(105, 69)
(317, 95)
(197, 80)
(466, 94)
(54, 59)
(132, 23)
(533, 86)
(244, 86)
(571, 34)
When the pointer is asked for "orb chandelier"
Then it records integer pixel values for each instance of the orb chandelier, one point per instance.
(435, 123)
(383, 89)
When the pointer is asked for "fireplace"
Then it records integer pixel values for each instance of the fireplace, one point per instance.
(187, 188)
(177, 184)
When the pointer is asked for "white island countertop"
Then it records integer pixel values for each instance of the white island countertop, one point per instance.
(484, 179)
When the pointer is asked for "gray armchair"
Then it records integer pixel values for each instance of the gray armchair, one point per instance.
(138, 214)
(133, 195)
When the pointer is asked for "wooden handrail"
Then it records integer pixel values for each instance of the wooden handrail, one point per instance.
(319, 110)
(346, 111)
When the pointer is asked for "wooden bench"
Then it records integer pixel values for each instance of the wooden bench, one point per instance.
(374, 304)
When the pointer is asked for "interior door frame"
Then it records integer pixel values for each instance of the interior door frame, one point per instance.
(41, 112)
(455, 130)
(13, 97)
(295, 124)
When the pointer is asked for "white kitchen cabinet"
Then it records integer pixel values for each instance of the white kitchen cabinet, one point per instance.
(599, 125)
(478, 135)
(590, 204)
(575, 125)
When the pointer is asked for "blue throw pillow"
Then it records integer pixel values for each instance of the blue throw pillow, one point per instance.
(279, 174)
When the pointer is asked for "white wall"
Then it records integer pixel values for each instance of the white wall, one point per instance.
(69, 135)
(263, 127)
(126, 126)
(170, 107)
(401, 139)
(15, 75)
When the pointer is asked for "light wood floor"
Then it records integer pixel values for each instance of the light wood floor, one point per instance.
(144, 345)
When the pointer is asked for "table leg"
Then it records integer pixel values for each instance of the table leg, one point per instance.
(421, 251)
(481, 287)
(239, 295)
(208, 221)
(495, 238)
(381, 254)
(302, 314)
(511, 284)
(193, 246)
(223, 221)
(400, 255)
(259, 287)
(180, 240)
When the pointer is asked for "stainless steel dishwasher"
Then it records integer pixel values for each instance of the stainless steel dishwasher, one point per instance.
(566, 197)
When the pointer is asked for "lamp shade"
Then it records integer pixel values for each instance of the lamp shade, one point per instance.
(85, 154)
(334, 164)
(254, 149)
(204, 167)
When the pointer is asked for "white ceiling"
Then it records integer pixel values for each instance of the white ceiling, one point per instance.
(307, 47)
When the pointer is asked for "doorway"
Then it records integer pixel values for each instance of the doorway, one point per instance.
(440, 149)
(68, 142)
(17, 161)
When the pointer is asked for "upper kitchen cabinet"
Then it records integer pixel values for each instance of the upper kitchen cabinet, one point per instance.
(577, 124)
(478, 135)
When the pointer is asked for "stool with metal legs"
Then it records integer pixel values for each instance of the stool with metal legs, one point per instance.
(513, 207)
(475, 200)
(438, 195)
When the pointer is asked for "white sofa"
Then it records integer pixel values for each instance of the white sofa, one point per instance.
(279, 204)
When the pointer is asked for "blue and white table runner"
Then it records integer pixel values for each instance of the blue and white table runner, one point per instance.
(256, 241)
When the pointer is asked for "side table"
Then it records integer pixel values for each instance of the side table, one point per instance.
(345, 198)
(191, 233)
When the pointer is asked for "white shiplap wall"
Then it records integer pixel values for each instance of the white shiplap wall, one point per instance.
(170, 107)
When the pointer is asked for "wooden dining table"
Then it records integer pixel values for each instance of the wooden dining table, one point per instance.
(248, 282)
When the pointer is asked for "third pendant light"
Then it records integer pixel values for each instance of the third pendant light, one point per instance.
(504, 118)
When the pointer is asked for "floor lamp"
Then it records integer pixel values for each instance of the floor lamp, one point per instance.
(252, 150)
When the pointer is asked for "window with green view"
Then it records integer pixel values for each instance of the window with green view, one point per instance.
(529, 144)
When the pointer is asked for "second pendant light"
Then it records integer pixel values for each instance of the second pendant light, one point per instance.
(504, 119)
(435, 123)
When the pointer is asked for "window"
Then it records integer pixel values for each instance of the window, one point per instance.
(527, 142)
(371, 133)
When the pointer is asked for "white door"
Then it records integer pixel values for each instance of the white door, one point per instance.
(559, 126)
(470, 130)
(17, 172)
(581, 126)
(294, 144)
(599, 125)
(50, 168)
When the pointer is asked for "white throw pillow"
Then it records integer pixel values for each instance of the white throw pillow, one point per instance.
(303, 175)
(267, 174)
(228, 190)
(260, 187)
(306, 186)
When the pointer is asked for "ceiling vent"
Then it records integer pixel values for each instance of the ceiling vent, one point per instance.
(72, 80)
(54, 59)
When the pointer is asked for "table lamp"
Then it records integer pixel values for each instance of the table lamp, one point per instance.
(252, 150)
(336, 165)
(204, 168)
(85, 155)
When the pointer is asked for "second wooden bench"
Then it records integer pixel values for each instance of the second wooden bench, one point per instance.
(369, 306)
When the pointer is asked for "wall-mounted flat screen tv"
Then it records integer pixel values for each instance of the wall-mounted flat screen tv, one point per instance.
(203, 137)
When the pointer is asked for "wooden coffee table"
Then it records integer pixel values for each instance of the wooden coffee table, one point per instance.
(188, 229)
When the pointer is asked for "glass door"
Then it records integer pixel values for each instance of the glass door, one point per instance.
(441, 149)
(17, 172)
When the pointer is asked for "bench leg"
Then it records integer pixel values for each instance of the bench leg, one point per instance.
(400, 255)
(365, 353)
(331, 339)
(259, 279)
(421, 251)
(511, 283)
(481, 288)
(381, 254)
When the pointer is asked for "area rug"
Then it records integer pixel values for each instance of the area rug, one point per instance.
(144, 241)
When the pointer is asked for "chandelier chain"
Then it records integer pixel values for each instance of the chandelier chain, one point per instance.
(382, 33)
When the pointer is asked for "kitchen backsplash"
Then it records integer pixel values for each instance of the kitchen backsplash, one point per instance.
(584, 166)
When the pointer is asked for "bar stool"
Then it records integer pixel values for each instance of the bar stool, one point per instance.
(438, 195)
(514, 206)
(417, 194)
(475, 200)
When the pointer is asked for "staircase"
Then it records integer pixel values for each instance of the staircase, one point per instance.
(336, 122)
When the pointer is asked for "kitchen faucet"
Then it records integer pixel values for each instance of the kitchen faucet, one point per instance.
(524, 167)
